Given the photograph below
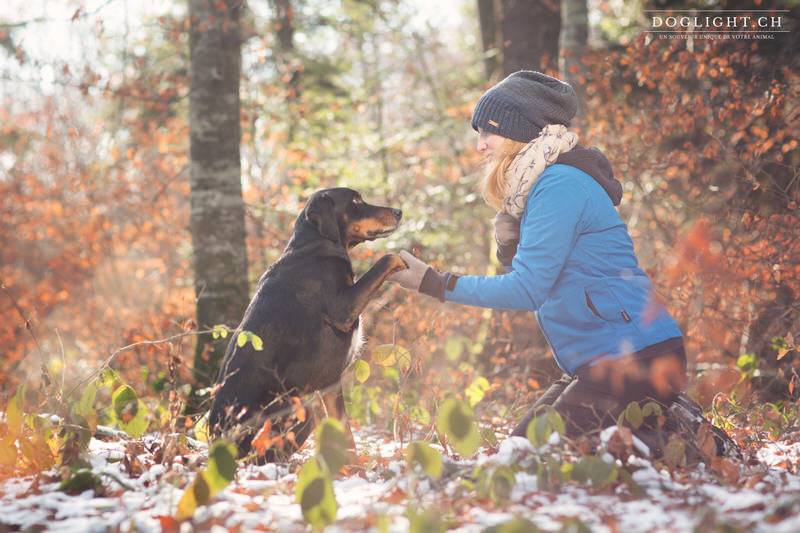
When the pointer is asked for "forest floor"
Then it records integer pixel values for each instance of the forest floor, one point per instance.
(137, 493)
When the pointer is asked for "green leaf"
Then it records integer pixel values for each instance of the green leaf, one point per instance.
(201, 428)
(476, 390)
(456, 420)
(601, 472)
(424, 521)
(384, 355)
(389, 354)
(15, 413)
(314, 493)
(540, 428)
(501, 485)
(125, 403)
(382, 523)
(574, 525)
(391, 373)
(8, 452)
(420, 415)
(746, 362)
(516, 525)
(675, 453)
(488, 436)
(332, 444)
(220, 331)
(221, 466)
(361, 370)
(197, 494)
(426, 457)
(633, 414)
(85, 406)
(80, 481)
(556, 422)
(255, 340)
(652, 408)
(220, 472)
(109, 378)
(453, 348)
(580, 471)
(138, 424)
(594, 469)
(131, 414)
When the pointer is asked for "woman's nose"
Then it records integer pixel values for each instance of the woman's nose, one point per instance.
(481, 145)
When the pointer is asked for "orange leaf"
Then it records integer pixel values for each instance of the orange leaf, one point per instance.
(726, 469)
(168, 524)
(262, 440)
(706, 442)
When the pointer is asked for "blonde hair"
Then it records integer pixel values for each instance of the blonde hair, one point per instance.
(493, 183)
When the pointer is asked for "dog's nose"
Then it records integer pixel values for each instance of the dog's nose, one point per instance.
(397, 214)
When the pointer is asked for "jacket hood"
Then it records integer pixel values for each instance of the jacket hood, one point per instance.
(593, 162)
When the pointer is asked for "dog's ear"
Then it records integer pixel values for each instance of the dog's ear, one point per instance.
(320, 212)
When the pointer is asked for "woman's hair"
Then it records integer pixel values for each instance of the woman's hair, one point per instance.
(492, 186)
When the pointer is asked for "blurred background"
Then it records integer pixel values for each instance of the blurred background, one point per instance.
(96, 245)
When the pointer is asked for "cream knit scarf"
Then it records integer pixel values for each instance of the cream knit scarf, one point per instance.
(531, 161)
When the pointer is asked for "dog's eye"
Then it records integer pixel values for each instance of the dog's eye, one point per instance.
(357, 200)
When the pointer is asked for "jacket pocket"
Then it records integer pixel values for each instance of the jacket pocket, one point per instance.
(604, 304)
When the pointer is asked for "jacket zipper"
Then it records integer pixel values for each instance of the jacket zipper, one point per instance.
(552, 347)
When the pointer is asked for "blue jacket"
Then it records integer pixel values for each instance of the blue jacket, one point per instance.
(576, 269)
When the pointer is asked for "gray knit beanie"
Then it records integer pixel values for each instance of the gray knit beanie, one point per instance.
(522, 104)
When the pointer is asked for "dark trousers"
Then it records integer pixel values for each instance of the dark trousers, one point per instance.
(595, 396)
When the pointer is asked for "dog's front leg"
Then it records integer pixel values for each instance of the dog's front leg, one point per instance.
(347, 305)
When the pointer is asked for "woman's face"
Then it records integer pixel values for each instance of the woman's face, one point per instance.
(488, 144)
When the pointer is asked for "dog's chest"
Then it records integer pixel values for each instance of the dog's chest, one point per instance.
(357, 343)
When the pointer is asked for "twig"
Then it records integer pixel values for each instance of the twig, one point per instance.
(27, 324)
(63, 373)
(117, 480)
(110, 358)
(78, 14)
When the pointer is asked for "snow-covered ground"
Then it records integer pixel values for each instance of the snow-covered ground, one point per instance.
(140, 495)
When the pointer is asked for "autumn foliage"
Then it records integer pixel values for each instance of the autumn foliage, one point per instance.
(704, 135)
(95, 251)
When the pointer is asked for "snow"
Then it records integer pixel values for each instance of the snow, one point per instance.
(262, 497)
(780, 452)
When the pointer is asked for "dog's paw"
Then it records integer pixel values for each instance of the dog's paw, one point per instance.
(396, 263)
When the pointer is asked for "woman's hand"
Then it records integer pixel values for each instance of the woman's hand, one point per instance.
(410, 278)
(506, 229)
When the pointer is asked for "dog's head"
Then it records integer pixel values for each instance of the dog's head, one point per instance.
(340, 215)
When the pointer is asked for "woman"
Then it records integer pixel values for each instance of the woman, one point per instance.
(568, 256)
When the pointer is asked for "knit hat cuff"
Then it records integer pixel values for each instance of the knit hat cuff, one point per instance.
(501, 118)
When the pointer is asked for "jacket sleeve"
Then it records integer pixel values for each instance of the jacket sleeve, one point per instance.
(505, 254)
(551, 225)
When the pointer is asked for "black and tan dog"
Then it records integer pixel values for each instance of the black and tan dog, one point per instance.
(307, 313)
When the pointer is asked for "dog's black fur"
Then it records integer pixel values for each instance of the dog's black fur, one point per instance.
(306, 311)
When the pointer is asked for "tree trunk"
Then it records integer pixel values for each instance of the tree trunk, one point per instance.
(526, 34)
(574, 34)
(217, 206)
(529, 33)
(285, 62)
(492, 46)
